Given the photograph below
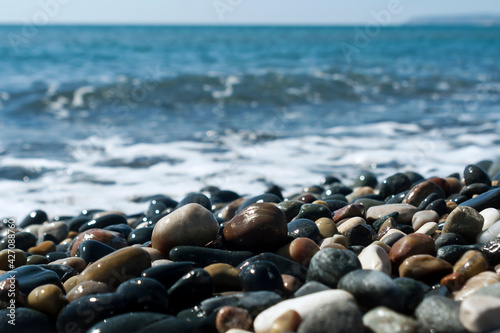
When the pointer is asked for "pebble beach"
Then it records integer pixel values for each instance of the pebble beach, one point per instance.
(400, 254)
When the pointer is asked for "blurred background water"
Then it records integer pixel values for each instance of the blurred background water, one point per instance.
(92, 116)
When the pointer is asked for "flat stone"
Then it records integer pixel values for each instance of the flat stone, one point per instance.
(328, 266)
(117, 267)
(344, 226)
(336, 317)
(490, 199)
(373, 257)
(383, 320)
(170, 273)
(371, 289)
(439, 314)
(191, 224)
(30, 277)
(480, 313)
(87, 288)
(405, 211)
(78, 264)
(424, 267)
(465, 221)
(428, 229)
(422, 217)
(476, 283)
(303, 305)
(204, 256)
(351, 210)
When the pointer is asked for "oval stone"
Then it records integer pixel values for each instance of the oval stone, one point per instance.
(329, 265)
(191, 224)
(87, 288)
(47, 299)
(424, 267)
(409, 245)
(111, 238)
(117, 267)
(405, 212)
(260, 227)
(465, 221)
(375, 258)
(421, 191)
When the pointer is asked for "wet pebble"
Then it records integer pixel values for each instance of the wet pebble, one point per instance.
(439, 314)
(10, 259)
(47, 299)
(261, 275)
(303, 228)
(382, 320)
(328, 266)
(229, 317)
(465, 221)
(410, 245)
(87, 288)
(405, 212)
(424, 267)
(191, 289)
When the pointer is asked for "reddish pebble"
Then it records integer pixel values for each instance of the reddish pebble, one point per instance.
(410, 245)
(352, 210)
(229, 317)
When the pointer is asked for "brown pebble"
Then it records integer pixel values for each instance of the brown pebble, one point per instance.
(9, 289)
(72, 234)
(87, 288)
(345, 225)
(389, 224)
(424, 267)
(47, 299)
(228, 212)
(291, 284)
(10, 259)
(75, 262)
(327, 227)
(453, 184)
(300, 250)
(421, 191)
(443, 183)
(475, 283)
(471, 263)
(453, 281)
(154, 254)
(70, 283)
(405, 211)
(307, 198)
(229, 317)
(43, 248)
(117, 267)
(224, 276)
(37, 259)
(450, 206)
(410, 245)
(351, 210)
(289, 321)
(111, 238)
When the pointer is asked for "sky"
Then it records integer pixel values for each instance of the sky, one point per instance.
(320, 12)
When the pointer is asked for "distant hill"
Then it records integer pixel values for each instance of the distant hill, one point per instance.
(486, 20)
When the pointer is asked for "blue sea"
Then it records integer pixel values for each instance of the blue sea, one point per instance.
(97, 116)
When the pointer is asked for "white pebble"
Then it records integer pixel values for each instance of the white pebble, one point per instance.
(374, 258)
(480, 313)
(491, 216)
(489, 234)
(429, 228)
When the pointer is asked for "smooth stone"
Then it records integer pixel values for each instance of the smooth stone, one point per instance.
(111, 238)
(75, 223)
(161, 262)
(27, 320)
(329, 265)
(231, 317)
(195, 198)
(410, 245)
(287, 322)
(383, 320)
(43, 248)
(424, 267)
(392, 236)
(490, 199)
(191, 224)
(85, 312)
(190, 289)
(470, 264)
(351, 210)
(421, 191)
(310, 288)
(368, 202)
(285, 266)
(413, 293)
(439, 206)
(142, 322)
(346, 225)
(389, 224)
(474, 189)
(31, 276)
(373, 257)
(260, 227)
(428, 229)
(87, 288)
(489, 234)
(224, 276)
(422, 217)
(377, 224)
(205, 256)
(64, 272)
(303, 305)
(56, 255)
(37, 259)
(326, 227)
(405, 212)
(476, 283)
(102, 222)
(336, 239)
(335, 204)
(361, 235)
(145, 294)
(123, 229)
(117, 267)
(140, 236)
(313, 212)
(347, 317)
(263, 198)
(290, 208)
(371, 289)
(34, 217)
(12, 258)
(59, 230)
(261, 275)
(365, 178)
(451, 253)
(169, 274)
(480, 313)
(47, 299)
(300, 250)
(229, 211)
(394, 184)
(490, 215)
(490, 290)
(70, 283)
(474, 174)
(303, 228)
(91, 250)
(22, 240)
(465, 221)
(439, 314)
(442, 183)
(396, 198)
(427, 201)
(449, 239)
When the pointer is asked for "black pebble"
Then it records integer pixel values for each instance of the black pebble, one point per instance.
(145, 294)
(191, 289)
(35, 217)
(167, 275)
(140, 236)
(92, 250)
(474, 174)
(394, 184)
(198, 198)
(304, 228)
(261, 275)
(102, 222)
